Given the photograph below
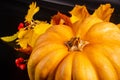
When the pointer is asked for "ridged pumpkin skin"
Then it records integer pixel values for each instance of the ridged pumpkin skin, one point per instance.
(97, 56)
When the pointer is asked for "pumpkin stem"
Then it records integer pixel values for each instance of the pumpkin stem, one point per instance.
(76, 44)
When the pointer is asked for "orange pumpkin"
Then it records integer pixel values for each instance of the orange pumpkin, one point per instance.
(87, 50)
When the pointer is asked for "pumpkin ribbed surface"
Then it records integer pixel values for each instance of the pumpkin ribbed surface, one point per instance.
(87, 50)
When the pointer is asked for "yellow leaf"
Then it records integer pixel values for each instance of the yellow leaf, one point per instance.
(21, 32)
(41, 27)
(29, 36)
(104, 12)
(78, 13)
(31, 12)
(38, 30)
(22, 43)
(9, 38)
(25, 39)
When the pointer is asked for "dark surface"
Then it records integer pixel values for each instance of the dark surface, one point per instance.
(12, 12)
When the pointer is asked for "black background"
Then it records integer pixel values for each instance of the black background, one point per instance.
(12, 12)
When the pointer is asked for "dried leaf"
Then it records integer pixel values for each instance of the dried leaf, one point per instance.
(9, 38)
(79, 13)
(31, 12)
(27, 50)
(104, 12)
(25, 39)
(60, 18)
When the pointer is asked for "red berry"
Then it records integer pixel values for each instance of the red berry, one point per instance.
(17, 62)
(21, 25)
(20, 63)
(21, 60)
(22, 66)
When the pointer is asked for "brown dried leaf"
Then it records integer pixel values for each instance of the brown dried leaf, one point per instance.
(60, 18)
(27, 50)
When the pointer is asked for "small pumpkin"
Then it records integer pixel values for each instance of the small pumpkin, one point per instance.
(87, 50)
